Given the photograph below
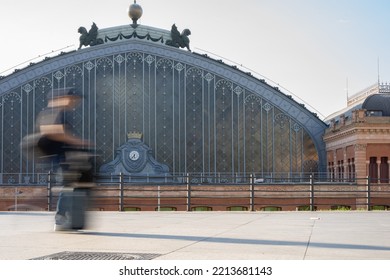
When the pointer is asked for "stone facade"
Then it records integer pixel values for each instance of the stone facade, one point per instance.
(358, 147)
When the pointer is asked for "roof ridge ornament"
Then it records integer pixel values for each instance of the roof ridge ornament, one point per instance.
(179, 40)
(89, 38)
(135, 13)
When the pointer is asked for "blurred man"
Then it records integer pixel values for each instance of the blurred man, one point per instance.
(67, 154)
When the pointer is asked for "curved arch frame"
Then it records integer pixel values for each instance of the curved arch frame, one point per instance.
(242, 81)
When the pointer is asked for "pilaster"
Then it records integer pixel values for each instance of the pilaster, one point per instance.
(360, 160)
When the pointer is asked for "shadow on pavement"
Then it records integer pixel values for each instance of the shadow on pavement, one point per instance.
(242, 241)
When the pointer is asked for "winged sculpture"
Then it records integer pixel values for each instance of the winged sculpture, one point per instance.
(179, 40)
(89, 38)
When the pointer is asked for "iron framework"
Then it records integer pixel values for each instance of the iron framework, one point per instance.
(195, 118)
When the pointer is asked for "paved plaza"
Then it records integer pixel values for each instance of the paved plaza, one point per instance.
(324, 235)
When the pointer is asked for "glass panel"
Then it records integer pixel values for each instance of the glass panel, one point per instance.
(193, 120)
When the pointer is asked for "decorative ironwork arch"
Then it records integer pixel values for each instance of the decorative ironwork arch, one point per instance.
(196, 114)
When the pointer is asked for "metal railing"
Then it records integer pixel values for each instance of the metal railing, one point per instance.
(193, 192)
(215, 178)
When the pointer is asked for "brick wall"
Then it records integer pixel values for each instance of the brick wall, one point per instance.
(219, 198)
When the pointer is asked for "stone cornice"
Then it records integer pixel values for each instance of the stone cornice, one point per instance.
(357, 129)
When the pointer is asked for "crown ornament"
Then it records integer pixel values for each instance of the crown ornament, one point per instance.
(134, 135)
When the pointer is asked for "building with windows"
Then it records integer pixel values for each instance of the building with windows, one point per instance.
(358, 137)
(214, 137)
(196, 114)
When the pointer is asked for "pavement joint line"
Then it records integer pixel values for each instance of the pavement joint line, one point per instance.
(310, 235)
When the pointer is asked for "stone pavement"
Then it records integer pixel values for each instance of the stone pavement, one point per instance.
(202, 235)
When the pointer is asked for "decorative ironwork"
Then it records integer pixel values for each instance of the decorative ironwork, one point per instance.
(89, 65)
(122, 36)
(208, 77)
(192, 118)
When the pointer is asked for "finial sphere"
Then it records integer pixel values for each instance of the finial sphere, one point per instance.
(135, 12)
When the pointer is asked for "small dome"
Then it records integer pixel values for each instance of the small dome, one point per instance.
(378, 103)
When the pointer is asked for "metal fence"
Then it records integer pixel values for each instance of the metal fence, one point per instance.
(180, 178)
(203, 192)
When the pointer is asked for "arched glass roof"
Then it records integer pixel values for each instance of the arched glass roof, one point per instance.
(197, 114)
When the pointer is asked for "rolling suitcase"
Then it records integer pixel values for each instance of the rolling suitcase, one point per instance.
(78, 207)
(73, 205)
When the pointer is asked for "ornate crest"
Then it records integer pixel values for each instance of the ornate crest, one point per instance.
(135, 158)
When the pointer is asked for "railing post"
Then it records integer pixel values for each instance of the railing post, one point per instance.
(121, 192)
(368, 193)
(158, 198)
(311, 193)
(16, 198)
(252, 192)
(49, 190)
(188, 192)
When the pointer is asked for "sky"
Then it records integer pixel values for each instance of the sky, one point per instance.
(318, 51)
